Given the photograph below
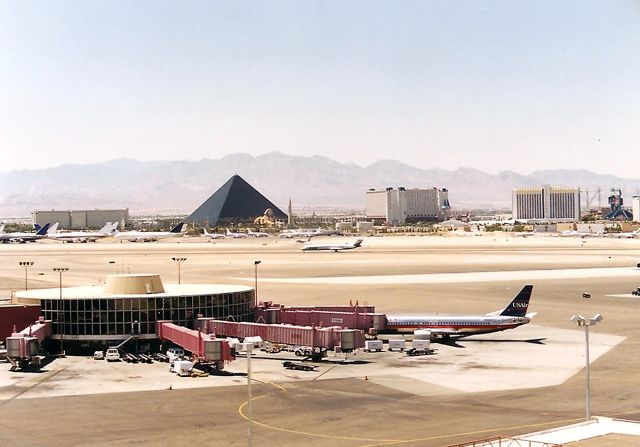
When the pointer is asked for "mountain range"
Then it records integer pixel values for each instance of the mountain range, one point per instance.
(178, 187)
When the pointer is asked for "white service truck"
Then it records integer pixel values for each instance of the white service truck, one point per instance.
(112, 355)
(397, 344)
(373, 345)
(182, 367)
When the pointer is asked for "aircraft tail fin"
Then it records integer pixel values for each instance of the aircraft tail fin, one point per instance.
(43, 230)
(358, 243)
(518, 307)
(108, 228)
(53, 228)
(178, 228)
(205, 232)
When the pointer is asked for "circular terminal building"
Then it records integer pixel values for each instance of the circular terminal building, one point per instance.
(131, 304)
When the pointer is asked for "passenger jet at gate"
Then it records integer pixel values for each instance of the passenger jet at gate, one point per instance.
(332, 247)
(514, 315)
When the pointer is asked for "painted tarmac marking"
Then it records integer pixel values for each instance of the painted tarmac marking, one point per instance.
(302, 433)
(324, 372)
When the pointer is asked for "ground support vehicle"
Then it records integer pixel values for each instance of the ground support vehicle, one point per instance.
(98, 355)
(145, 358)
(373, 345)
(182, 367)
(112, 355)
(302, 351)
(174, 354)
(271, 348)
(636, 292)
(160, 357)
(397, 345)
(130, 358)
(299, 366)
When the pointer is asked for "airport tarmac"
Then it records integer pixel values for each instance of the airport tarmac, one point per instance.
(508, 383)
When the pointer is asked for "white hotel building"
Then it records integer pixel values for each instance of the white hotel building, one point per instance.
(549, 204)
(400, 206)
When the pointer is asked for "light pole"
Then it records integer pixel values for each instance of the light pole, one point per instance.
(255, 273)
(61, 309)
(178, 261)
(586, 322)
(250, 431)
(26, 265)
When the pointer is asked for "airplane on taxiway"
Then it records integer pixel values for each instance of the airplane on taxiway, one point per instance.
(446, 326)
(332, 247)
(84, 236)
(150, 236)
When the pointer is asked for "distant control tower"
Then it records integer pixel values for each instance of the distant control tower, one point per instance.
(615, 202)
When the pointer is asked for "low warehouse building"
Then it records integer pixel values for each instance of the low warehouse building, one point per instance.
(129, 304)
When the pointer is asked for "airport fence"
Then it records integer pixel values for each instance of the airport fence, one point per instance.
(505, 442)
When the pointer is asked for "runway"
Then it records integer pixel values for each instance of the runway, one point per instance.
(471, 277)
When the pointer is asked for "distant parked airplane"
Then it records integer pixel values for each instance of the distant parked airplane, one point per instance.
(213, 235)
(332, 247)
(20, 237)
(257, 234)
(582, 234)
(85, 236)
(512, 316)
(625, 234)
(150, 236)
(304, 232)
(236, 235)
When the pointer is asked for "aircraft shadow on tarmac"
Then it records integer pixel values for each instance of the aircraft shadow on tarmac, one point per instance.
(456, 344)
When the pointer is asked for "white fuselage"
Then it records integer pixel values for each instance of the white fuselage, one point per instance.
(327, 247)
(146, 236)
(77, 236)
(20, 237)
(459, 325)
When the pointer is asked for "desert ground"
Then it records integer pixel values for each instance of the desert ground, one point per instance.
(518, 381)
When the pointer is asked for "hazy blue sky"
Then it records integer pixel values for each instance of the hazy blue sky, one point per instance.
(495, 85)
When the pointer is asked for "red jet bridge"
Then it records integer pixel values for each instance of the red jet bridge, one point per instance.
(353, 317)
(321, 339)
(205, 349)
(23, 348)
